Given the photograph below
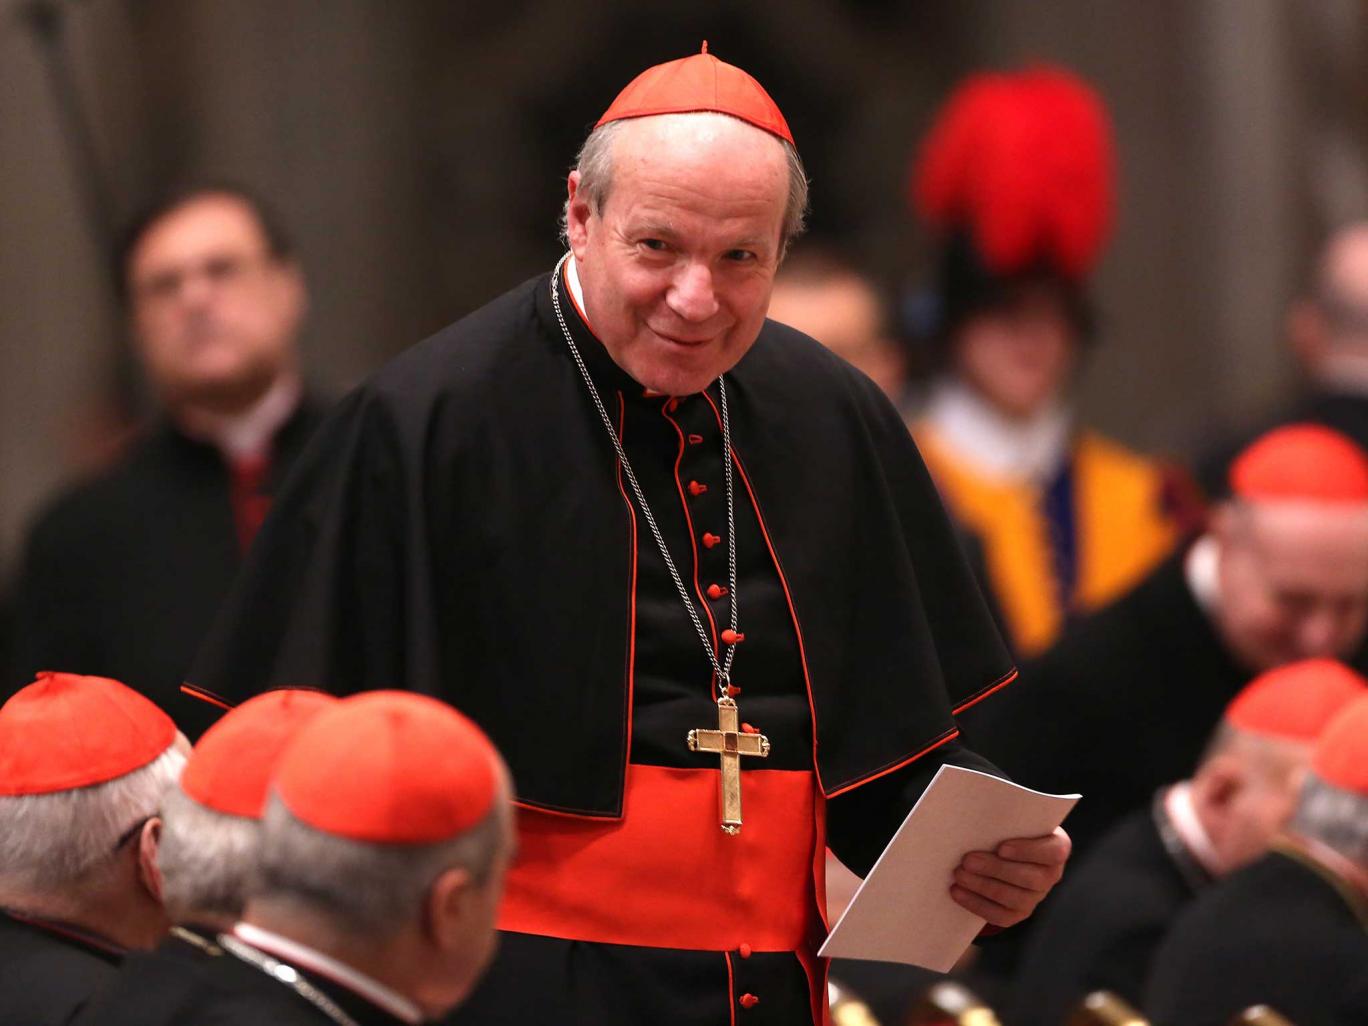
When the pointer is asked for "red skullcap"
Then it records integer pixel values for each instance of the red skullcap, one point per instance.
(389, 767)
(230, 769)
(1301, 462)
(698, 83)
(65, 731)
(1341, 757)
(1295, 701)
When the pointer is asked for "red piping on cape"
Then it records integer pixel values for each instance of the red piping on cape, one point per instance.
(978, 697)
(205, 696)
(693, 545)
(731, 988)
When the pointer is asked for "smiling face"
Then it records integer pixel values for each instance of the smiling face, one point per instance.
(678, 264)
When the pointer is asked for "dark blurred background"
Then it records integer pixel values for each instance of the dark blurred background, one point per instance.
(418, 151)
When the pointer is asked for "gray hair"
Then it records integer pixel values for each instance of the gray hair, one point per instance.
(58, 842)
(595, 166)
(207, 859)
(365, 889)
(1335, 817)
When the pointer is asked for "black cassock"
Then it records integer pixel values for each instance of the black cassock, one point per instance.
(189, 980)
(1123, 704)
(1284, 932)
(122, 575)
(460, 527)
(48, 971)
(1111, 913)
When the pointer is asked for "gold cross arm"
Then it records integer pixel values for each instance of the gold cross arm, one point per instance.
(729, 742)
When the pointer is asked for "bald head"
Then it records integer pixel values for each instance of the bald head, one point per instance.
(1329, 325)
(1293, 580)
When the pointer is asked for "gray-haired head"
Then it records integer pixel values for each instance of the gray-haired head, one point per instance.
(363, 889)
(595, 166)
(61, 844)
(1335, 817)
(207, 861)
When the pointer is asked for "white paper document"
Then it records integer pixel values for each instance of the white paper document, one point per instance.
(903, 911)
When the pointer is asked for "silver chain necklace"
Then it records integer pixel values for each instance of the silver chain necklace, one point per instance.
(286, 974)
(723, 668)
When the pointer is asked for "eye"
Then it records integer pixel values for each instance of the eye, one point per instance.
(654, 245)
(740, 256)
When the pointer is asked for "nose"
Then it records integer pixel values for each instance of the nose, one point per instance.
(691, 296)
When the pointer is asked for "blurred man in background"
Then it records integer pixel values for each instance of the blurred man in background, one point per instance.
(826, 296)
(382, 856)
(84, 765)
(1101, 931)
(1291, 930)
(1125, 701)
(1015, 177)
(121, 575)
(1327, 331)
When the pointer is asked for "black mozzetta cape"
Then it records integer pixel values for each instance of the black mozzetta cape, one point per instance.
(457, 527)
(48, 971)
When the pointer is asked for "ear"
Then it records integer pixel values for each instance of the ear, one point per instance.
(447, 916)
(293, 291)
(148, 871)
(578, 211)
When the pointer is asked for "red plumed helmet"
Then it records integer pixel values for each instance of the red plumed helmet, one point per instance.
(1024, 163)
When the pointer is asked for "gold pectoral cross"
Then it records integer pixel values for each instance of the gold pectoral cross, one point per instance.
(730, 743)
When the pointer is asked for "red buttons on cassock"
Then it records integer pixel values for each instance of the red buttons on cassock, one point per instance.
(696, 489)
(695, 439)
(651, 393)
(716, 591)
(672, 405)
(733, 690)
(748, 1000)
(732, 637)
(746, 728)
(745, 950)
(710, 539)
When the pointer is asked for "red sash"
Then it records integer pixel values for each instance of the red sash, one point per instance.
(666, 876)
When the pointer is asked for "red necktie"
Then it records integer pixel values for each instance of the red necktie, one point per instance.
(248, 475)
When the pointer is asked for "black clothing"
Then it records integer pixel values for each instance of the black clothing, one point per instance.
(1346, 412)
(1110, 914)
(49, 970)
(1121, 705)
(1280, 932)
(200, 984)
(460, 527)
(122, 575)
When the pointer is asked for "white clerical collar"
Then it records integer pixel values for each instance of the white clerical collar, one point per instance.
(1202, 569)
(1032, 450)
(1188, 826)
(248, 433)
(576, 290)
(305, 957)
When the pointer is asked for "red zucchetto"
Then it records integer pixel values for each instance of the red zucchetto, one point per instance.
(230, 769)
(1301, 462)
(1295, 702)
(696, 84)
(65, 731)
(389, 767)
(1341, 756)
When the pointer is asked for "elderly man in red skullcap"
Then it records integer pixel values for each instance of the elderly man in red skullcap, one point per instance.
(1124, 703)
(84, 765)
(682, 563)
(381, 859)
(1102, 929)
(1291, 930)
